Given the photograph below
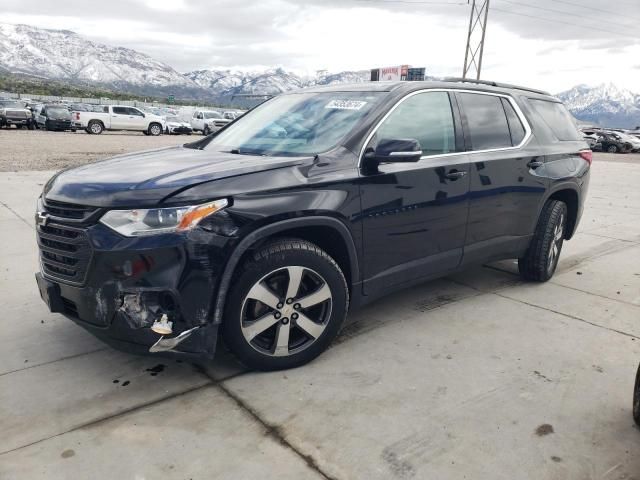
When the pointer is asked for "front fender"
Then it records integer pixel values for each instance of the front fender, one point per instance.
(269, 230)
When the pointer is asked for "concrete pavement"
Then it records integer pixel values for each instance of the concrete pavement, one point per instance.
(477, 375)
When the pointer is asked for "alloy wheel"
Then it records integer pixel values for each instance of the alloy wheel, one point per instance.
(286, 311)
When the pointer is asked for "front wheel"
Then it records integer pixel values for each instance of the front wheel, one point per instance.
(612, 149)
(541, 258)
(206, 130)
(288, 303)
(155, 129)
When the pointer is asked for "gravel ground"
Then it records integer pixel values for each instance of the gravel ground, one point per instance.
(40, 150)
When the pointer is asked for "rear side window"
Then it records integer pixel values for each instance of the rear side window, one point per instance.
(121, 110)
(515, 125)
(557, 118)
(487, 122)
(426, 117)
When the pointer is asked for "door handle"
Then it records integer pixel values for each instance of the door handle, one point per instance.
(534, 164)
(455, 175)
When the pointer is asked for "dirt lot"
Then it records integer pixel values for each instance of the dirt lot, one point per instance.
(39, 150)
(478, 375)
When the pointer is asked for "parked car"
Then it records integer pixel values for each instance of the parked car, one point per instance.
(116, 117)
(268, 236)
(14, 112)
(592, 141)
(208, 121)
(175, 125)
(54, 117)
(230, 115)
(610, 142)
(630, 139)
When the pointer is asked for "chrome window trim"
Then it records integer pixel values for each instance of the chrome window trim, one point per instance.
(509, 98)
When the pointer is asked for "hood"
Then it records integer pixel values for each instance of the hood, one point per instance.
(146, 178)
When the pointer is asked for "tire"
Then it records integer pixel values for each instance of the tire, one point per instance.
(308, 330)
(32, 126)
(155, 129)
(612, 149)
(636, 399)
(95, 127)
(541, 258)
(206, 130)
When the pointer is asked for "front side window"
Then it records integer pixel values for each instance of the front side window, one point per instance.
(486, 120)
(209, 115)
(426, 117)
(296, 124)
(135, 111)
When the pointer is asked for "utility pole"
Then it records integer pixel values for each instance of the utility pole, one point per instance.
(475, 38)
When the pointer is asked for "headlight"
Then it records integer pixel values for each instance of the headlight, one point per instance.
(136, 223)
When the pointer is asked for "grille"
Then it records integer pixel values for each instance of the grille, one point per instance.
(17, 114)
(65, 252)
(220, 124)
(68, 210)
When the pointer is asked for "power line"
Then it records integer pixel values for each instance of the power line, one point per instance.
(553, 10)
(417, 2)
(602, 10)
(626, 35)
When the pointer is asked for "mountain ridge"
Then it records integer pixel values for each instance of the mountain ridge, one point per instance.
(63, 55)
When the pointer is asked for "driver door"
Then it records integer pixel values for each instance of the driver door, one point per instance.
(415, 214)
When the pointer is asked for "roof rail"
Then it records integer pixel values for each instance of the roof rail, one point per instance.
(494, 84)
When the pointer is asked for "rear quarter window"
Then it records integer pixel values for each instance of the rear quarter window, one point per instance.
(557, 118)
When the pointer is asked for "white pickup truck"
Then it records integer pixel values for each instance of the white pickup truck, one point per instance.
(208, 121)
(116, 117)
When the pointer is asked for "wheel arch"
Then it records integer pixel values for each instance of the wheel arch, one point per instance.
(328, 233)
(571, 198)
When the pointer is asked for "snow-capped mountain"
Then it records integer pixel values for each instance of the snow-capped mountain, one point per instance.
(65, 55)
(226, 83)
(606, 105)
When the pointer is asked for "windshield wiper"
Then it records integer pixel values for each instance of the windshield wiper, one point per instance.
(237, 151)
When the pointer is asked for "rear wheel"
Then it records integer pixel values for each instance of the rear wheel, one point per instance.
(541, 258)
(612, 149)
(206, 130)
(95, 127)
(287, 305)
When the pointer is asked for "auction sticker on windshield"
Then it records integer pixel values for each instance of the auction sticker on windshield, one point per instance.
(346, 104)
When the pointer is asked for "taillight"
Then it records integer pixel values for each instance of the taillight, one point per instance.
(587, 155)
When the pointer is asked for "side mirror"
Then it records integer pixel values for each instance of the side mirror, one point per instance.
(395, 150)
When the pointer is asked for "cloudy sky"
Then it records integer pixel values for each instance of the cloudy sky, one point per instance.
(551, 44)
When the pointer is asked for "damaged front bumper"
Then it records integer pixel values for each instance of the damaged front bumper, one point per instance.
(130, 283)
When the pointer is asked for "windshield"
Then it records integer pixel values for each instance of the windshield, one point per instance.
(296, 124)
(212, 115)
(11, 104)
(58, 112)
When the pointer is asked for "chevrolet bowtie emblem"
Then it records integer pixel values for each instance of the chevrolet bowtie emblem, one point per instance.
(41, 219)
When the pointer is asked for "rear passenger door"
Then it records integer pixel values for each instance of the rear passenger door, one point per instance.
(507, 185)
(415, 214)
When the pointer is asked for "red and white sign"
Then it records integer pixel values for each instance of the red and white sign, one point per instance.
(393, 74)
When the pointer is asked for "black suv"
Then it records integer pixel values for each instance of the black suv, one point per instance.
(268, 231)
